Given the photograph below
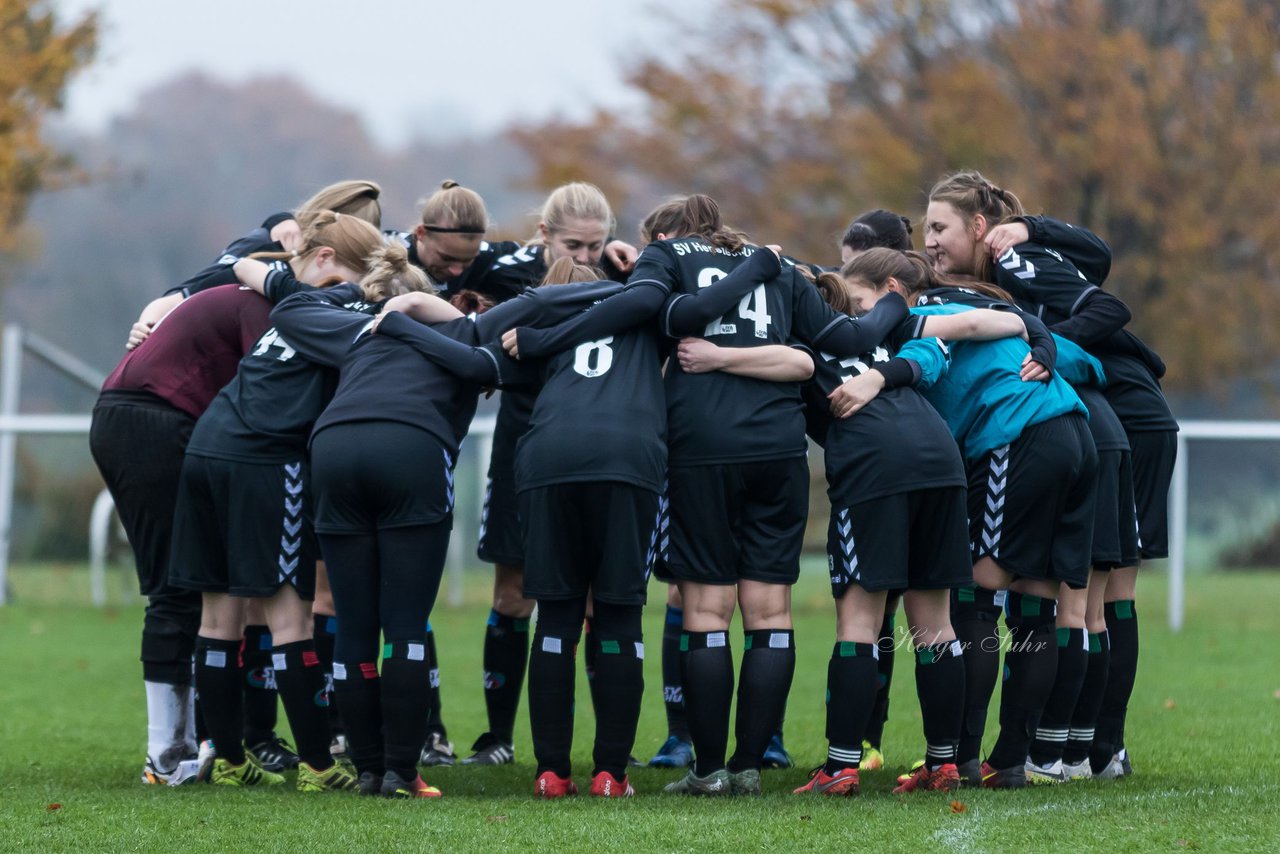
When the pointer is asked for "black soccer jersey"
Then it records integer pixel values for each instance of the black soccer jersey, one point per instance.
(527, 266)
(472, 278)
(385, 379)
(897, 443)
(723, 418)
(1132, 369)
(1039, 276)
(511, 274)
(600, 416)
(487, 364)
(1061, 286)
(265, 414)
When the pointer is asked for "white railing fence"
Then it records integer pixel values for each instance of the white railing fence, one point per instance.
(16, 342)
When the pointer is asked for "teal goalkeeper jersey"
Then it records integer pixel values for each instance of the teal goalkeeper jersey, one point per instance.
(981, 395)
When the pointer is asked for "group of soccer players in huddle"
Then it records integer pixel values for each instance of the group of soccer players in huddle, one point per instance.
(281, 435)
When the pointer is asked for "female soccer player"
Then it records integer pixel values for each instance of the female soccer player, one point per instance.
(874, 228)
(240, 523)
(968, 210)
(1031, 466)
(448, 244)
(575, 224)
(868, 230)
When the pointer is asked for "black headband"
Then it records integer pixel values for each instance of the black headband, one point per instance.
(441, 230)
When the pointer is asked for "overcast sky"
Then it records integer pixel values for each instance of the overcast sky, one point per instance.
(410, 67)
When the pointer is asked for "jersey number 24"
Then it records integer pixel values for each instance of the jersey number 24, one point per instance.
(753, 307)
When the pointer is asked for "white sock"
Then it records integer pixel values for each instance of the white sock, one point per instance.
(171, 729)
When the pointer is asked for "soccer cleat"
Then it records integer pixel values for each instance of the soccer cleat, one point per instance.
(915, 766)
(247, 773)
(369, 783)
(395, 786)
(714, 784)
(204, 761)
(970, 773)
(844, 782)
(335, 778)
(437, 751)
(1078, 771)
(872, 758)
(944, 778)
(775, 755)
(605, 785)
(186, 771)
(675, 752)
(1125, 765)
(551, 785)
(490, 750)
(1113, 770)
(274, 755)
(744, 782)
(1004, 778)
(1045, 775)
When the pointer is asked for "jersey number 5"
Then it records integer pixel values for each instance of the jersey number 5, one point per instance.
(754, 307)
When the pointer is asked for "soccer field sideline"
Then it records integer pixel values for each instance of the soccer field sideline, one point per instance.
(1202, 730)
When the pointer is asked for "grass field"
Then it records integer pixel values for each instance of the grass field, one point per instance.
(1203, 729)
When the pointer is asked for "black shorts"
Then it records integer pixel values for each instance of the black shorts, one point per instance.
(500, 529)
(243, 528)
(590, 535)
(914, 540)
(139, 442)
(1115, 526)
(1031, 503)
(371, 475)
(1154, 454)
(738, 521)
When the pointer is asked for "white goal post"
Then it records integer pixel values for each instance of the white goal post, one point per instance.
(1178, 496)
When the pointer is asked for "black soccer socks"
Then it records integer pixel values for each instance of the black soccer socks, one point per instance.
(707, 665)
(1031, 664)
(851, 695)
(1055, 722)
(218, 683)
(301, 682)
(506, 657)
(768, 665)
(975, 617)
(940, 678)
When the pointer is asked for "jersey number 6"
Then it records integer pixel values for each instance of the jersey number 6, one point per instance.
(594, 357)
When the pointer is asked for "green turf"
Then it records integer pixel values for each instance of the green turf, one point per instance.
(1203, 730)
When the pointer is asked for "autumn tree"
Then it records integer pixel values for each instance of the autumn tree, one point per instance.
(1153, 122)
(38, 57)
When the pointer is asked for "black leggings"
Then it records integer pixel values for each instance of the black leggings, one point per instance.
(383, 583)
(138, 442)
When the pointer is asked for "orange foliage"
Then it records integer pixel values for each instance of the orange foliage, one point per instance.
(37, 59)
